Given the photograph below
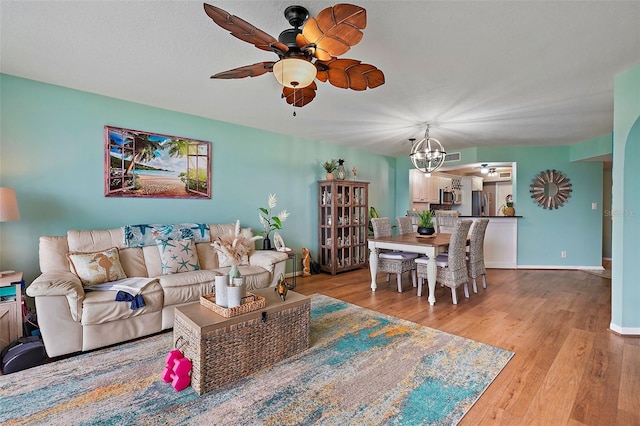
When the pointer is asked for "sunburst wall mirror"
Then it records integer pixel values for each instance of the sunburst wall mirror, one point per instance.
(550, 189)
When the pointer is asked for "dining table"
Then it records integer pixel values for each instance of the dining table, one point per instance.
(429, 245)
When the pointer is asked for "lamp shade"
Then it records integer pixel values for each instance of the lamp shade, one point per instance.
(295, 73)
(8, 205)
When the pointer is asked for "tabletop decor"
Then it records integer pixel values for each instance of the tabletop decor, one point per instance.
(234, 247)
(330, 167)
(425, 223)
(343, 378)
(341, 173)
(269, 222)
(507, 208)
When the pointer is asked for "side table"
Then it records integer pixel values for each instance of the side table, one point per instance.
(10, 308)
(293, 255)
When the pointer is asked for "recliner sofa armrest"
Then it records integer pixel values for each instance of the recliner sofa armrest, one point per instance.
(60, 283)
(267, 259)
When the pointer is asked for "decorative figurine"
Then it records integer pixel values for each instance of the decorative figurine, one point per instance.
(281, 288)
(306, 262)
(355, 172)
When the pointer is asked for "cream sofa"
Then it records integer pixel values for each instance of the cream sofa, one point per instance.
(72, 320)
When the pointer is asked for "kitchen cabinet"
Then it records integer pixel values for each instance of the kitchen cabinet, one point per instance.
(424, 189)
(444, 183)
(476, 183)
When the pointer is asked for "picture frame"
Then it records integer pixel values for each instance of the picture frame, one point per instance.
(279, 242)
(143, 164)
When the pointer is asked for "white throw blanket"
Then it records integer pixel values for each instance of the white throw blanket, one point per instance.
(133, 285)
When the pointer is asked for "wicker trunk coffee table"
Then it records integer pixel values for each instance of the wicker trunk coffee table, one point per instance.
(224, 350)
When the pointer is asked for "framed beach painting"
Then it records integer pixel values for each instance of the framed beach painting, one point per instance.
(150, 165)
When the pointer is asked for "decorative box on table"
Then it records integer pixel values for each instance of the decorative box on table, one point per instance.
(224, 350)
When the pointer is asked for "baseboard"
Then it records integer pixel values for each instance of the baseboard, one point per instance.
(572, 267)
(500, 265)
(625, 331)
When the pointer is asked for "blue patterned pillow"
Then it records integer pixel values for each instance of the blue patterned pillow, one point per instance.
(177, 256)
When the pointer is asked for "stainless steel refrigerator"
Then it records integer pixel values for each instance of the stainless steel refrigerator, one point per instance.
(479, 204)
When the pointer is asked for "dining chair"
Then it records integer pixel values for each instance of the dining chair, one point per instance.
(452, 269)
(405, 225)
(393, 262)
(475, 259)
(445, 220)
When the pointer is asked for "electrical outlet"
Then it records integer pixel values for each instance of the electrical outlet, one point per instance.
(594, 206)
(563, 254)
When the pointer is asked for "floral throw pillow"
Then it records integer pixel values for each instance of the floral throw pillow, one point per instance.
(97, 267)
(178, 256)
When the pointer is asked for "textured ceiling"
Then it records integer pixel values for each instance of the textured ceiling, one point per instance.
(484, 73)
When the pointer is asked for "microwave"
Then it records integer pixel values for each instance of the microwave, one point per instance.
(446, 197)
(450, 197)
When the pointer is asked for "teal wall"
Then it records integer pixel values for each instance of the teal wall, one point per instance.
(52, 154)
(592, 148)
(625, 285)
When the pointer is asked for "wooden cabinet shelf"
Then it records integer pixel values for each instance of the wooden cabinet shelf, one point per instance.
(343, 225)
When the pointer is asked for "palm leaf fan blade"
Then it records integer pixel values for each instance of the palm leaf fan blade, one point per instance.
(246, 71)
(351, 74)
(243, 30)
(299, 97)
(334, 30)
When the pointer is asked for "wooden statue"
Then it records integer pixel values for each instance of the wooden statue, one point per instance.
(306, 262)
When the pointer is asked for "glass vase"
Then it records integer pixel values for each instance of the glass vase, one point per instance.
(341, 173)
(234, 272)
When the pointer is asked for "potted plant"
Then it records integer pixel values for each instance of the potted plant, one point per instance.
(270, 222)
(508, 209)
(425, 223)
(330, 167)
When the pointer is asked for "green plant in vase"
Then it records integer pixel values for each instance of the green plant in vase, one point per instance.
(425, 223)
(330, 167)
(269, 222)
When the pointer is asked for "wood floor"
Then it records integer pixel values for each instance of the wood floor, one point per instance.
(568, 368)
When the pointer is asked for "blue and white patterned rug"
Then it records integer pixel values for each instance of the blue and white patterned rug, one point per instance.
(363, 367)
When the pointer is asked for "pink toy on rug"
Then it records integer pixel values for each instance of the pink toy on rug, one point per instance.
(178, 370)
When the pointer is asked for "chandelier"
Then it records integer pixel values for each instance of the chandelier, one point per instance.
(427, 154)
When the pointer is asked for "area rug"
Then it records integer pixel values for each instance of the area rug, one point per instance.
(363, 367)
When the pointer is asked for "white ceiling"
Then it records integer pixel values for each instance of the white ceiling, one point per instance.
(484, 73)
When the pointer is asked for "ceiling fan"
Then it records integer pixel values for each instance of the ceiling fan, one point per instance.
(306, 53)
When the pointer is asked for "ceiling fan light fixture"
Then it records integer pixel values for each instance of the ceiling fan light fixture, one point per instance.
(294, 73)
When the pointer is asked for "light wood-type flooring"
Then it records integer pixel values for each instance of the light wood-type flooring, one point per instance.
(568, 368)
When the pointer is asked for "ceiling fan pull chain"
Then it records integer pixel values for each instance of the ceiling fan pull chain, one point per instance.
(294, 102)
